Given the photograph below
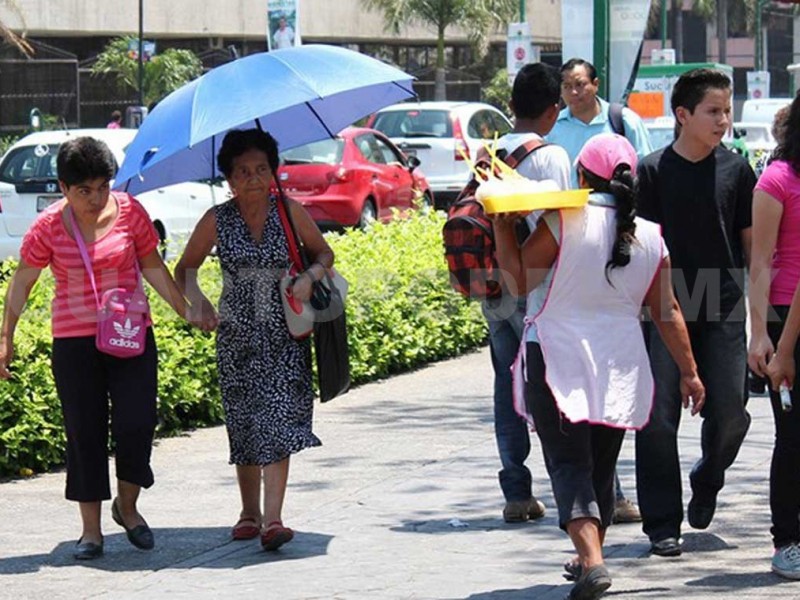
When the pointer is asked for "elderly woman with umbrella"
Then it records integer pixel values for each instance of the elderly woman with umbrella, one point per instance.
(299, 95)
(264, 373)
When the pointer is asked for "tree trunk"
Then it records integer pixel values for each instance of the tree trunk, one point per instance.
(440, 87)
(722, 30)
(677, 29)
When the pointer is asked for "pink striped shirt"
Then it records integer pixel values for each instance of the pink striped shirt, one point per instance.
(47, 243)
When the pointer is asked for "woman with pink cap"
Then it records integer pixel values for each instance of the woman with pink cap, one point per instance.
(583, 367)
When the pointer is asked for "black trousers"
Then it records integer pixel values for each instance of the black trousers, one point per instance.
(86, 380)
(581, 458)
(784, 475)
(720, 349)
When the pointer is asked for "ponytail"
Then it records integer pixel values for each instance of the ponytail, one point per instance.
(621, 186)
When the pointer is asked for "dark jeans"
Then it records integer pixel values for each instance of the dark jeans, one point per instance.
(86, 380)
(510, 430)
(721, 354)
(580, 457)
(784, 475)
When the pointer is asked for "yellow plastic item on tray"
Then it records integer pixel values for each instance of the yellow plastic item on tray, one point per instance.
(530, 201)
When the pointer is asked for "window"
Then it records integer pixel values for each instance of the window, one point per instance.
(414, 123)
(324, 152)
(30, 162)
(481, 125)
(368, 146)
(389, 155)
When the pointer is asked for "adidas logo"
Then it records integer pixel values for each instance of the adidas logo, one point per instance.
(126, 331)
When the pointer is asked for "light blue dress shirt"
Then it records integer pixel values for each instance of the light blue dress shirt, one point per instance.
(571, 133)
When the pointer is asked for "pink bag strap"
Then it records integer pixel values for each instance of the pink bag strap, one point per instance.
(87, 261)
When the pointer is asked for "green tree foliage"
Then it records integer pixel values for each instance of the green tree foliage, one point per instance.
(477, 18)
(163, 73)
(498, 92)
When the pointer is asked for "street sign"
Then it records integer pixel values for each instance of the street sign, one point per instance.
(519, 50)
(757, 84)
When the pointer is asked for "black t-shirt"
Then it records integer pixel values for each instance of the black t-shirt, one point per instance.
(702, 208)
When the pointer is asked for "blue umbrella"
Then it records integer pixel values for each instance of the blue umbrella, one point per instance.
(299, 95)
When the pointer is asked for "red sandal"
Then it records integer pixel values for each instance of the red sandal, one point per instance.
(275, 536)
(246, 528)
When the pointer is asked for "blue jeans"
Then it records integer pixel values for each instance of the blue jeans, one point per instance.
(721, 355)
(506, 322)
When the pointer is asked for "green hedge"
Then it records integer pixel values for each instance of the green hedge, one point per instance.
(401, 314)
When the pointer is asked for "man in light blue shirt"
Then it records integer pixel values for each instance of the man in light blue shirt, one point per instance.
(586, 114)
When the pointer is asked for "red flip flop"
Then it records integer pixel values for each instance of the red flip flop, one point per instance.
(246, 528)
(275, 536)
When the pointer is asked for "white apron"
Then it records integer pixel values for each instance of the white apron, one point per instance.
(589, 331)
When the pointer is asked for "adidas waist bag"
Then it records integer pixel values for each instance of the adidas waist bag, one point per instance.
(122, 323)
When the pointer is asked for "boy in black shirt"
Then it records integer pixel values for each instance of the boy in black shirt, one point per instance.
(701, 194)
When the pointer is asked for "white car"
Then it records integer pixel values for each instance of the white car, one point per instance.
(28, 185)
(757, 135)
(437, 133)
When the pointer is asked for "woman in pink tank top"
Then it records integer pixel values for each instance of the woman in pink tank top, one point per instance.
(774, 277)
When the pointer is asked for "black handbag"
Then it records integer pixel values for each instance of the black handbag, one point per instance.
(330, 345)
(330, 327)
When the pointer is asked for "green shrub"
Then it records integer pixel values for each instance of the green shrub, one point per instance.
(400, 309)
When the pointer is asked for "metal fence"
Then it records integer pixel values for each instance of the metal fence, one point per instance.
(51, 85)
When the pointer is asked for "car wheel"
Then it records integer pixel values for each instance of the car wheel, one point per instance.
(368, 213)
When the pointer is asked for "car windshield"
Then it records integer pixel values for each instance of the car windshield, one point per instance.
(29, 163)
(414, 123)
(324, 152)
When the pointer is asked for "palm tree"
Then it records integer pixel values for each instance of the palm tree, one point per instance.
(8, 36)
(163, 73)
(476, 17)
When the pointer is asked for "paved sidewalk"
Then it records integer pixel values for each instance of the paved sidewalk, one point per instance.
(401, 501)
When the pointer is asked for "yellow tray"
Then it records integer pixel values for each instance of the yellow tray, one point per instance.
(536, 201)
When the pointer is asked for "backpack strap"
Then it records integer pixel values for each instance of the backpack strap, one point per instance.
(521, 153)
(615, 118)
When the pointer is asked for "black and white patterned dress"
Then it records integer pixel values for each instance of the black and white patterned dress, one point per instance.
(264, 374)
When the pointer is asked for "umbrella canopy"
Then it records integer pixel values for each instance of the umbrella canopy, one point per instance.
(299, 95)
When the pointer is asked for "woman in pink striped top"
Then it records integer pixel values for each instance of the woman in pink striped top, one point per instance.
(119, 237)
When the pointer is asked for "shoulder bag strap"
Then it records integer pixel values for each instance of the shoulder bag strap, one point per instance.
(295, 252)
(76, 233)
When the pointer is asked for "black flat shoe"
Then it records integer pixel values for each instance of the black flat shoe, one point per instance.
(87, 550)
(667, 547)
(140, 536)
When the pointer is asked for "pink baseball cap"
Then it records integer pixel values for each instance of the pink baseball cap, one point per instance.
(605, 152)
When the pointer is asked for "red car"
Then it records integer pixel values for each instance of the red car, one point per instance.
(353, 179)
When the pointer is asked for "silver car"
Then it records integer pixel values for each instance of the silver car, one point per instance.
(437, 133)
